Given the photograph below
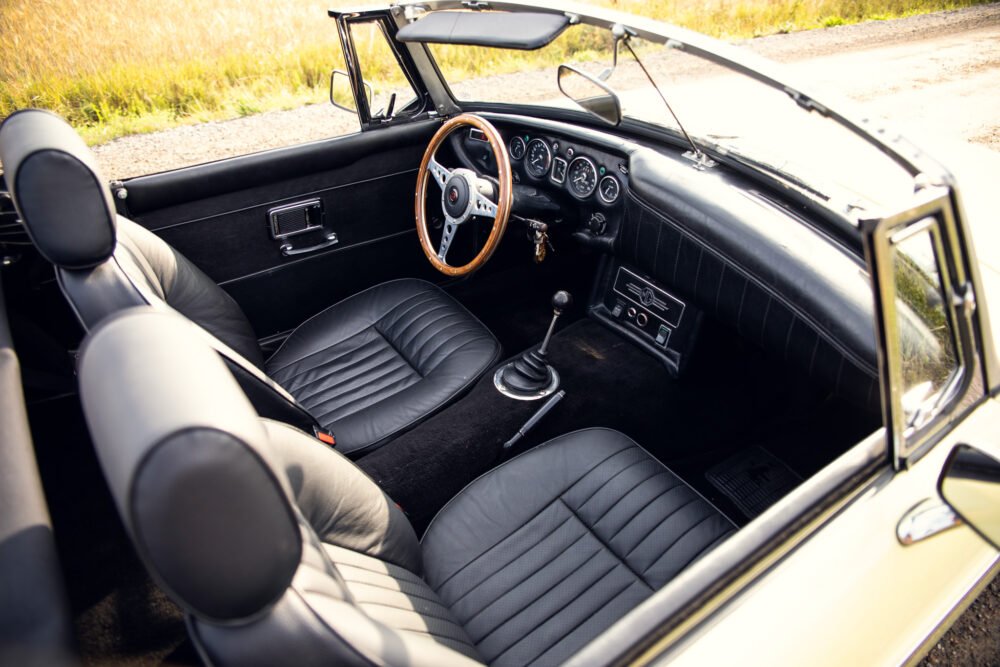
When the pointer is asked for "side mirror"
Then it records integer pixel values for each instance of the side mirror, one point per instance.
(592, 95)
(970, 484)
(342, 93)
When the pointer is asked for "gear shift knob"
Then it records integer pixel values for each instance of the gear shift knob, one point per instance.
(561, 300)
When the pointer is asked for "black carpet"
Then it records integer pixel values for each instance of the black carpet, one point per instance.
(731, 397)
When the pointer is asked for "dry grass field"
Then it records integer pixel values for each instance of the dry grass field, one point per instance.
(116, 67)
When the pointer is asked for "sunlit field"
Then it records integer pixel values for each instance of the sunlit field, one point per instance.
(116, 67)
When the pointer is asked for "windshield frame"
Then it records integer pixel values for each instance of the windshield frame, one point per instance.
(901, 151)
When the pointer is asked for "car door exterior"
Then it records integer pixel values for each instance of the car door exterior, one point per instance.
(879, 576)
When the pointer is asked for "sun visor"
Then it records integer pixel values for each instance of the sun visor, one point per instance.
(504, 30)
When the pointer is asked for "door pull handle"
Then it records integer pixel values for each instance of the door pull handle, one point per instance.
(288, 250)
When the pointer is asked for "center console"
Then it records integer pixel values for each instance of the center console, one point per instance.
(646, 313)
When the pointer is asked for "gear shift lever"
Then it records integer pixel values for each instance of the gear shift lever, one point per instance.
(561, 301)
(529, 376)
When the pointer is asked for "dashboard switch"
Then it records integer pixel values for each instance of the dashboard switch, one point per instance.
(617, 311)
(662, 336)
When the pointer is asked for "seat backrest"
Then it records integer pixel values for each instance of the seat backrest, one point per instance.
(105, 263)
(280, 550)
(35, 625)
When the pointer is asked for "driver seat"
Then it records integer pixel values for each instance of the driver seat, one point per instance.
(362, 370)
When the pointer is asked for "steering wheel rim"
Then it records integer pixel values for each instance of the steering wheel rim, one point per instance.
(474, 203)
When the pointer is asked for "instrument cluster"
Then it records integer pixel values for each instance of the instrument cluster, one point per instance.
(585, 176)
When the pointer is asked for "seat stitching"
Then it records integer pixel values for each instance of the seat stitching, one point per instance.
(606, 545)
(661, 522)
(413, 338)
(635, 487)
(322, 370)
(419, 351)
(676, 542)
(348, 370)
(406, 609)
(456, 334)
(643, 507)
(414, 320)
(529, 520)
(382, 394)
(396, 316)
(545, 592)
(398, 591)
(428, 633)
(363, 383)
(389, 573)
(607, 481)
(510, 589)
(272, 372)
(348, 379)
(583, 620)
(548, 618)
(709, 547)
(508, 563)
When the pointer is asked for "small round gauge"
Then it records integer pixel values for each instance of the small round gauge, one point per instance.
(609, 189)
(582, 177)
(539, 158)
(517, 148)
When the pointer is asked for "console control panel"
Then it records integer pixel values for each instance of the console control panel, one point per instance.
(647, 306)
(647, 313)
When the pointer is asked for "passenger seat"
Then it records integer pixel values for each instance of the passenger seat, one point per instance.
(281, 551)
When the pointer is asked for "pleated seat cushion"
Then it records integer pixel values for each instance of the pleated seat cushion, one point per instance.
(540, 555)
(383, 360)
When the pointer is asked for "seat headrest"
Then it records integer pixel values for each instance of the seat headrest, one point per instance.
(189, 466)
(58, 190)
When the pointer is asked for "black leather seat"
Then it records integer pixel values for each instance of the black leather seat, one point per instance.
(281, 551)
(363, 369)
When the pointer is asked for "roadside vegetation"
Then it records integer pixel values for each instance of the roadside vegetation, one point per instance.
(117, 67)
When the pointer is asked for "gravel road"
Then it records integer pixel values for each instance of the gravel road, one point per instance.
(934, 76)
(937, 74)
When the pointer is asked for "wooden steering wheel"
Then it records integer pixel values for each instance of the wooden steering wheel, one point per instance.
(461, 197)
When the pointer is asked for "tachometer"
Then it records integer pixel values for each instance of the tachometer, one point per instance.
(517, 148)
(610, 189)
(539, 158)
(582, 179)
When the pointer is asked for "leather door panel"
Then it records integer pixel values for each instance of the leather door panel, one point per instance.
(216, 215)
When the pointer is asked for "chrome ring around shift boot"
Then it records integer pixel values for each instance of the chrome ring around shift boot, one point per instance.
(533, 396)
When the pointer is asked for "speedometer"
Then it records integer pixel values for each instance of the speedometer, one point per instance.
(539, 158)
(582, 179)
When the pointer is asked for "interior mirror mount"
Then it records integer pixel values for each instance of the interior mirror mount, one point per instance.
(970, 484)
(619, 33)
(592, 95)
(342, 93)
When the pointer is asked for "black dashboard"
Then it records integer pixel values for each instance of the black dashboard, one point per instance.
(679, 243)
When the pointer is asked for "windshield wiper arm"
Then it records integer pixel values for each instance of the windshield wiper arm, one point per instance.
(701, 160)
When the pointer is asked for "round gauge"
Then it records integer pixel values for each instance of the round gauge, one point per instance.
(517, 148)
(539, 158)
(609, 189)
(582, 177)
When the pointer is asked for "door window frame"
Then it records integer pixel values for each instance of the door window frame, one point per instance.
(932, 213)
(352, 62)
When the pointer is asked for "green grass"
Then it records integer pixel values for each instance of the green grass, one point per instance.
(117, 67)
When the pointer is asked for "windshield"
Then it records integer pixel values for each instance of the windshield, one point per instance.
(720, 108)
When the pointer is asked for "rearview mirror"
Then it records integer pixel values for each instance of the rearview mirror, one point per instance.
(342, 93)
(592, 95)
(970, 484)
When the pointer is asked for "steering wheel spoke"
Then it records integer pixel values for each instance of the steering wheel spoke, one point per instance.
(484, 206)
(440, 173)
(461, 199)
(447, 234)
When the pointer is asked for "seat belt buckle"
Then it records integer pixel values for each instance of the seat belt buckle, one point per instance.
(324, 436)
